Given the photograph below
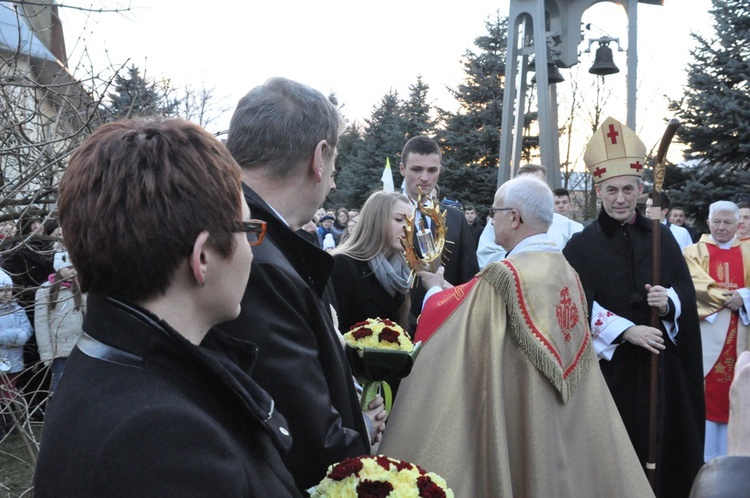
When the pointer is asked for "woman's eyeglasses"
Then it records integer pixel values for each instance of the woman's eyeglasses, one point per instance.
(255, 230)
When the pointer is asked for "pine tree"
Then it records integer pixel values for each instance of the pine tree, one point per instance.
(715, 108)
(471, 138)
(134, 96)
(417, 119)
(383, 139)
(347, 168)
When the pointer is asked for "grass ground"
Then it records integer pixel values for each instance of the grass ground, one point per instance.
(16, 465)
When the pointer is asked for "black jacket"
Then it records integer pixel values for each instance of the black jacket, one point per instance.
(360, 295)
(140, 411)
(286, 313)
(614, 262)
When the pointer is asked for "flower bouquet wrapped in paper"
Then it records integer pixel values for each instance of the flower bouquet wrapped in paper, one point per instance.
(379, 350)
(382, 477)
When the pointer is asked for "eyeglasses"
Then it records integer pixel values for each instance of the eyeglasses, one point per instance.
(493, 210)
(255, 230)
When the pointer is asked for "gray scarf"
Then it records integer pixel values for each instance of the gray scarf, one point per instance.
(392, 273)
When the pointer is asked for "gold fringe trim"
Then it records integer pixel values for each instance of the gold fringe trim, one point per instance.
(501, 278)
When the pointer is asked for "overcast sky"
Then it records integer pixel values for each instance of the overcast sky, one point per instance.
(361, 50)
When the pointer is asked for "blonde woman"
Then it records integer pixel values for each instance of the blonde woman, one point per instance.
(370, 277)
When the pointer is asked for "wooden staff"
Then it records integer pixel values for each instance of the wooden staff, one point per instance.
(659, 172)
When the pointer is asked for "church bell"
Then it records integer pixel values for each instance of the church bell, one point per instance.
(553, 75)
(603, 62)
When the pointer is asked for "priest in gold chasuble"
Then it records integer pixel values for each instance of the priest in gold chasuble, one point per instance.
(506, 398)
(720, 267)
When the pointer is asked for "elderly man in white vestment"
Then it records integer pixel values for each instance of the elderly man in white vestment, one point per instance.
(720, 268)
(506, 398)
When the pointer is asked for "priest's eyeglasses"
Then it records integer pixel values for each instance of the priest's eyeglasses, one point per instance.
(493, 210)
(255, 230)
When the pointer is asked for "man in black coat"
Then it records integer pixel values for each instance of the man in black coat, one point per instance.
(420, 167)
(153, 402)
(284, 135)
(613, 256)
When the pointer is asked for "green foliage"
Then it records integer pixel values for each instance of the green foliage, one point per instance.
(347, 167)
(134, 96)
(416, 111)
(470, 139)
(715, 108)
(697, 186)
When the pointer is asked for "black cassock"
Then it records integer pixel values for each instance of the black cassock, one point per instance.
(614, 262)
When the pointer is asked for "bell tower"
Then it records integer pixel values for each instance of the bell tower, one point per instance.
(550, 30)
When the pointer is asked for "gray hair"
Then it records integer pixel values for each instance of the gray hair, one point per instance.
(725, 207)
(277, 125)
(531, 197)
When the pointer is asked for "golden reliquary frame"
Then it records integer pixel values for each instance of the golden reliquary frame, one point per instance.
(431, 243)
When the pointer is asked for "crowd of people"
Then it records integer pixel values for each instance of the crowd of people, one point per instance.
(194, 341)
(42, 314)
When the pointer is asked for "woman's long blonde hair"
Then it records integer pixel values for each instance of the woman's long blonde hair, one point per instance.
(372, 233)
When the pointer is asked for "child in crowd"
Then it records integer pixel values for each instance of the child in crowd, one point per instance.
(15, 330)
(58, 316)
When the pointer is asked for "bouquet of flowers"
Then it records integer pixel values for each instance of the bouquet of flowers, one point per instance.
(378, 350)
(372, 476)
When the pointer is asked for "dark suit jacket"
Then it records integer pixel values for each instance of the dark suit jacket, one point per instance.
(301, 363)
(459, 258)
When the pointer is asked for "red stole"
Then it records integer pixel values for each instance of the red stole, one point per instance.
(726, 268)
(439, 307)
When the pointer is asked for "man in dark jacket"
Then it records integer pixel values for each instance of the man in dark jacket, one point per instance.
(153, 402)
(613, 257)
(420, 167)
(284, 135)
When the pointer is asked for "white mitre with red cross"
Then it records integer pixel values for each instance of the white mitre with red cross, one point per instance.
(614, 150)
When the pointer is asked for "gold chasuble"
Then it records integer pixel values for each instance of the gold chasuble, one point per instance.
(506, 398)
(724, 336)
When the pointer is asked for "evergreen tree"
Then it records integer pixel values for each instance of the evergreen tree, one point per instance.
(715, 108)
(696, 186)
(470, 139)
(347, 168)
(383, 139)
(134, 96)
(416, 109)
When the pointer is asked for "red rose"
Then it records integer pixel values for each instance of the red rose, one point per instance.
(428, 489)
(374, 489)
(388, 334)
(346, 468)
(361, 333)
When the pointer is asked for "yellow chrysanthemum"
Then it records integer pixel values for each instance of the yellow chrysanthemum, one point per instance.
(378, 334)
(348, 479)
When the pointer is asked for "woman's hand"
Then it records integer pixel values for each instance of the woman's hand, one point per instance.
(377, 416)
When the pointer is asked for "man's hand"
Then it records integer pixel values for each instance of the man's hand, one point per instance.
(738, 432)
(377, 416)
(658, 298)
(645, 337)
(734, 300)
(430, 279)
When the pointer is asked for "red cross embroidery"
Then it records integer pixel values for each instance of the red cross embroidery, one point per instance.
(613, 134)
(636, 165)
(598, 323)
(599, 171)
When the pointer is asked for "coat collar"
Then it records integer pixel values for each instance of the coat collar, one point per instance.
(128, 334)
(311, 263)
(610, 225)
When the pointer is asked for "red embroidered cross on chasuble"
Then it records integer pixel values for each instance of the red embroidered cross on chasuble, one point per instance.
(553, 336)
